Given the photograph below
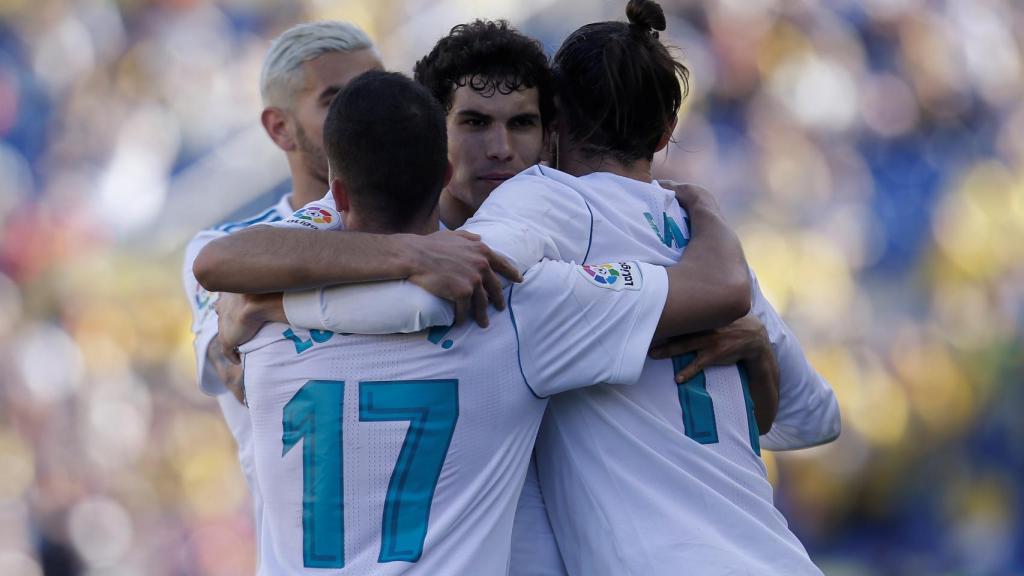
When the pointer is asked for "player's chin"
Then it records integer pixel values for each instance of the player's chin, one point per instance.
(485, 186)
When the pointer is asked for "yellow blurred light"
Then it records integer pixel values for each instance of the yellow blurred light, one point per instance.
(358, 13)
(872, 403)
(771, 257)
(979, 225)
(202, 451)
(968, 316)
(784, 42)
(822, 279)
(19, 467)
(939, 390)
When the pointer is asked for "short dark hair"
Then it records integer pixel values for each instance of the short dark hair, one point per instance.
(488, 56)
(385, 137)
(619, 88)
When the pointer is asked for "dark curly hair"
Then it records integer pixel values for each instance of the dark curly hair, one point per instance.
(620, 87)
(488, 56)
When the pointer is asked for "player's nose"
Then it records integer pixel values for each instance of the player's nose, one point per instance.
(499, 145)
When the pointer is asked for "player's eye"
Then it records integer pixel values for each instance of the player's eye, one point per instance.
(524, 122)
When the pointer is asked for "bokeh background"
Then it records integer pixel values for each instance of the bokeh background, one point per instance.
(870, 153)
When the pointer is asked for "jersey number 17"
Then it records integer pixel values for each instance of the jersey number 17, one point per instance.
(313, 415)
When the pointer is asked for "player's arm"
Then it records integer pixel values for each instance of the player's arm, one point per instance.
(808, 412)
(710, 283)
(782, 380)
(744, 342)
(215, 373)
(530, 218)
(295, 255)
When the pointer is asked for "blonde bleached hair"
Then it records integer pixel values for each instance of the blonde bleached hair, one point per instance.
(282, 77)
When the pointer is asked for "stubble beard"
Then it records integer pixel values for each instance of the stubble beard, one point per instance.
(313, 156)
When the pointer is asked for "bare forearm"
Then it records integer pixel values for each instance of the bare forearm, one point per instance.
(710, 286)
(268, 259)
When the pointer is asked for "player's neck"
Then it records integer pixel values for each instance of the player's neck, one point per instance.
(422, 226)
(306, 188)
(454, 212)
(576, 164)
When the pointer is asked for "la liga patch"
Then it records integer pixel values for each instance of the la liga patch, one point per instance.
(616, 276)
(316, 217)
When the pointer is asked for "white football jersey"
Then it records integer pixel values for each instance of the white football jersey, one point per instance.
(204, 330)
(405, 454)
(654, 478)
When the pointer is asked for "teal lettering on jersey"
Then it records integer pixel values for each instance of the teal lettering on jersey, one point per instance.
(315, 336)
(437, 333)
(698, 408)
(672, 233)
(313, 415)
(432, 408)
(755, 432)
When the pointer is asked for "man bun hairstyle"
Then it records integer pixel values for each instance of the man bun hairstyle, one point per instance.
(620, 88)
(647, 16)
(490, 57)
(384, 136)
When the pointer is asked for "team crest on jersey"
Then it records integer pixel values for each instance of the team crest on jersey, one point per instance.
(316, 218)
(315, 215)
(613, 276)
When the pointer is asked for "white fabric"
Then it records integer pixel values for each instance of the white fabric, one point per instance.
(204, 319)
(204, 330)
(808, 410)
(628, 492)
(355, 308)
(471, 516)
(534, 550)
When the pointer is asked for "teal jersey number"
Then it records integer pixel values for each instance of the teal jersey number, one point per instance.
(431, 407)
(314, 415)
(699, 408)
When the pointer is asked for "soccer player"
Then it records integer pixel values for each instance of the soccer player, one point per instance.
(303, 70)
(405, 454)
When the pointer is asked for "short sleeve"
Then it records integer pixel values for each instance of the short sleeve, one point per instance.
(396, 306)
(579, 325)
(808, 411)
(204, 318)
(320, 214)
(531, 217)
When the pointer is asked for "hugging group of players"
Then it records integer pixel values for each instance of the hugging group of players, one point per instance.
(497, 345)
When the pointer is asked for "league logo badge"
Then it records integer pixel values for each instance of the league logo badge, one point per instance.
(613, 276)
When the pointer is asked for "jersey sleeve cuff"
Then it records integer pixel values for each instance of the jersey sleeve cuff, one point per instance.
(638, 340)
(303, 309)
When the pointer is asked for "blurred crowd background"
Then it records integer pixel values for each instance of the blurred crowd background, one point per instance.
(870, 153)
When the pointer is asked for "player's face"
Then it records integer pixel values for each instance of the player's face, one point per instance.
(325, 75)
(490, 139)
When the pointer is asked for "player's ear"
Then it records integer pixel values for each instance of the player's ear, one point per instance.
(276, 123)
(340, 193)
(448, 171)
(667, 136)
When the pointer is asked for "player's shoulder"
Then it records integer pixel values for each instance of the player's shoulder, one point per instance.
(276, 212)
(541, 187)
